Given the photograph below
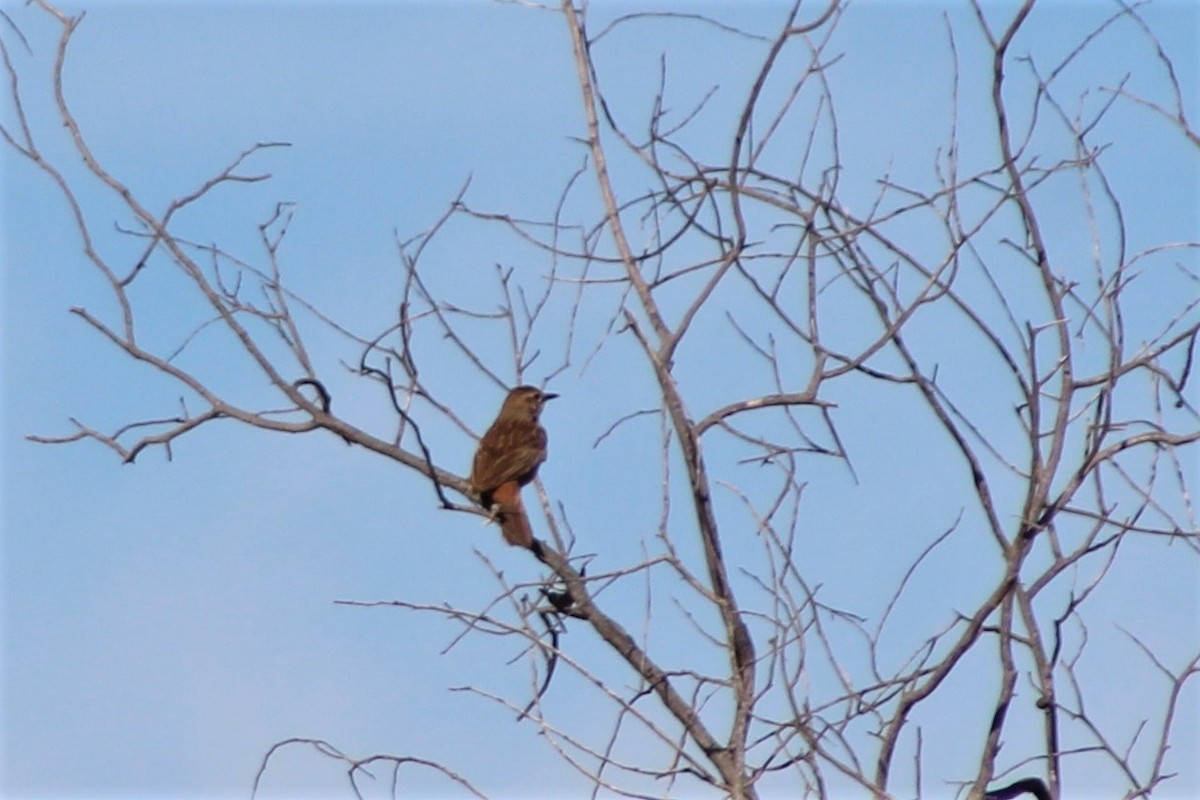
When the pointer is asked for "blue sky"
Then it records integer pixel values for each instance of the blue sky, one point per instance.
(165, 622)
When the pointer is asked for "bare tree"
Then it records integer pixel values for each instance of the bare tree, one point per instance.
(999, 305)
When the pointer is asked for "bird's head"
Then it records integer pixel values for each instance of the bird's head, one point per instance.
(525, 401)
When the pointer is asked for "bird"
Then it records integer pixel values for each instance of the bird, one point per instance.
(508, 458)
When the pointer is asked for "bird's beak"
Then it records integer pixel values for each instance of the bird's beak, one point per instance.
(548, 396)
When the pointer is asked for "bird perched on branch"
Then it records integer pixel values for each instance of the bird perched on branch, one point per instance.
(508, 458)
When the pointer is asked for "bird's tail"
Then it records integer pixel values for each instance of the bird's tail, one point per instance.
(514, 522)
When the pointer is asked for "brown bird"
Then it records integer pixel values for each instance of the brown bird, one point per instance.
(508, 457)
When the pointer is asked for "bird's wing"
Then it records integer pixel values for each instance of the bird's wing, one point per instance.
(506, 457)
